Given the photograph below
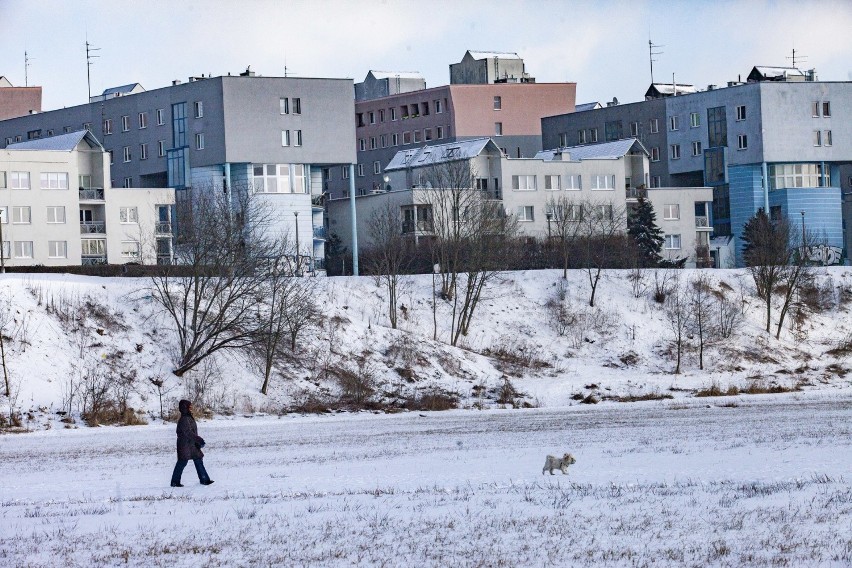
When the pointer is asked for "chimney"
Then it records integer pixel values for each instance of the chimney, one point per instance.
(175, 82)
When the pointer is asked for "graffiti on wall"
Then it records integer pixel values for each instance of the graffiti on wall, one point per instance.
(825, 255)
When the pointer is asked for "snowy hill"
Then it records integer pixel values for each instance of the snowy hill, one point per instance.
(67, 338)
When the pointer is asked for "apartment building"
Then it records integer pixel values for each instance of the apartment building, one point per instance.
(608, 175)
(274, 135)
(775, 143)
(18, 101)
(46, 184)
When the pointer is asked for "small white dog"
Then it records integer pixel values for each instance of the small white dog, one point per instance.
(552, 462)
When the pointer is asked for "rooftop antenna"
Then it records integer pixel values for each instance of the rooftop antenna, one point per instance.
(651, 54)
(27, 60)
(802, 58)
(89, 57)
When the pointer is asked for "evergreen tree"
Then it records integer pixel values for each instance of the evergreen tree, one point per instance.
(648, 237)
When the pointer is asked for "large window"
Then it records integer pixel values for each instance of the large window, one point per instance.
(57, 249)
(551, 182)
(21, 215)
(93, 247)
(783, 176)
(23, 249)
(523, 183)
(573, 181)
(696, 148)
(20, 180)
(130, 249)
(674, 151)
(603, 182)
(56, 214)
(717, 127)
(741, 112)
(613, 130)
(526, 213)
(179, 125)
(54, 180)
(281, 178)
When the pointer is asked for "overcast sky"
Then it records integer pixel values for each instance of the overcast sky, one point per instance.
(602, 46)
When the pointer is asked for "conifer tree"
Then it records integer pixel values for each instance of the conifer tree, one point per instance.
(646, 234)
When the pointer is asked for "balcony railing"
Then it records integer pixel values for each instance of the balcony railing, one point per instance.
(319, 263)
(319, 233)
(92, 260)
(92, 193)
(164, 259)
(96, 227)
(702, 222)
(164, 227)
(636, 193)
(422, 226)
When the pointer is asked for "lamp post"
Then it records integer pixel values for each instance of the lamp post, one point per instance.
(386, 179)
(549, 216)
(804, 249)
(298, 260)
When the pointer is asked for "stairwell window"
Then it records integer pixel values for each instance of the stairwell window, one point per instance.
(826, 138)
(199, 141)
(125, 123)
(741, 112)
(199, 109)
(742, 142)
(498, 103)
(498, 129)
(297, 138)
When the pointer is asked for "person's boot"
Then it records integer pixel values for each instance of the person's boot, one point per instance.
(176, 484)
(207, 482)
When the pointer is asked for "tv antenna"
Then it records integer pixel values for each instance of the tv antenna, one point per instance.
(802, 58)
(27, 60)
(89, 57)
(651, 54)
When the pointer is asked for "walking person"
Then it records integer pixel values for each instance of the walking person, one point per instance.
(189, 445)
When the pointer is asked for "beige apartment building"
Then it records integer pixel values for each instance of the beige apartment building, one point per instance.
(57, 207)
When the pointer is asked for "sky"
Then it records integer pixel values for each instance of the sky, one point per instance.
(602, 46)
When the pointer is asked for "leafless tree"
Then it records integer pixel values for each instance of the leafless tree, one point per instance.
(209, 293)
(797, 273)
(701, 307)
(729, 316)
(565, 226)
(678, 318)
(390, 254)
(5, 319)
(603, 240)
(474, 239)
(767, 254)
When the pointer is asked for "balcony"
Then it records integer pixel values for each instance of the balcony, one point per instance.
(318, 201)
(636, 193)
(423, 226)
(164, 228)
(703, 223)
(93, 227)
(93, 259)
(319, 233)
(164, 259)
(91, 194)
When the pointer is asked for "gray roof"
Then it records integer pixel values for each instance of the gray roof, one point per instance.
(603, 151)
(669, 88)
(769, 71)
(493, 54)
(61, 143)
(587, 106)
(395, 74)
(121, 89)
(428, 155)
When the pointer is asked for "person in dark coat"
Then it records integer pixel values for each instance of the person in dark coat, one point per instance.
(189, 445)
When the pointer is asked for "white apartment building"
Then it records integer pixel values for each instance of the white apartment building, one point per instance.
(57, 207)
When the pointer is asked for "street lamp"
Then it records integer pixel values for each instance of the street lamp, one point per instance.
(804, 249)
(549, 216)
(386, 179)
(298, 269)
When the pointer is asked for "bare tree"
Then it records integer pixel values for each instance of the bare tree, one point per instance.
(797, 273)
(390, 254)
(701, 306)
(565, 226)
(603, 240)
(474, 239)
(767, 253)
(5, 319)
(209, 294)
(678, 318)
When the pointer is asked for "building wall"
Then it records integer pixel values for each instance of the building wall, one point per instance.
(19, 101)
(472, 71)
(145, 231)
(820, 206)
(372, 88)
(685, 225)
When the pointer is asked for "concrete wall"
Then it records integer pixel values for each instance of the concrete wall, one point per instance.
(685, 224)
(19, 101)
(373, 88)
(145, 231)
(472, 71)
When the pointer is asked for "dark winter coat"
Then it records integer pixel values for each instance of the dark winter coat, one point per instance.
(188, 441)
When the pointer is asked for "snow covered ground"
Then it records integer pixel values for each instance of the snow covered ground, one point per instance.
(735, 481)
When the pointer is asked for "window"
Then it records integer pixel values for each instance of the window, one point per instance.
(427, 134)
(393, 113)
(815, 108)
(284, 105)
(817, 138)
(111, 157)
(93, 247)
(782, 176)
(125, 123)
(742, 142)
(66, 129)
(362, 144)
(438, 108)
(377, 167)
(416, 136)
(603, 182)
(826, 108)
(384, 140)
(199, 109)
(8, 140)
(414, 111)
(50, 132)
(498, 129)
(551, 182)
(671, 212)
(128, 214)
(199, 141)
(345, 172)
(128, 182)
(404, 111)
(406, 138)
(694, 120)
(741, 112)
(523, 183)
(717, 127)
(23, 249)
(53, 180)
(439, 132)
(526, 213)
(581, 137)
(21, 215)
(130, 249)
(161, 118)
(297, 105)
(372, 116)
(107, 126)
(127, 153)
(672, 242)
(826, 138)
(20, 180)
(360, 170)
(56, 214)
(634, 129)
(613, 130)
(593, 135)
(57, 249)
(285, 138)
(655, 154)
(394, 139)
(655, 126)
(381, 115)
(674, 151)
(673, 123)
(656, 181)
(143, 151)
(373, 143)
(143, 120)
(563, 139)
(2, 180)
(573, 181)
(297, 138)
(161, 148)
(87, 126)
(498, 103)
(696, 148)
(275, 178)
(33, 134)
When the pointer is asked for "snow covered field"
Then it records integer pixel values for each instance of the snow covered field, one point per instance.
(735, 481)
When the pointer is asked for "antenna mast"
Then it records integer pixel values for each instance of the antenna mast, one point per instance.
(27, 60)
(651, 54)
(802, 58)
(89, 57)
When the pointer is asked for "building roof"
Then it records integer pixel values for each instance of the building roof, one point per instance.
(493, 54)
(439, 153)
(587, 106)
(395, 74)
(770, 73)
(669, 89)
(4, 82)
(603, 151)
(122, 89)
(61, 143)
